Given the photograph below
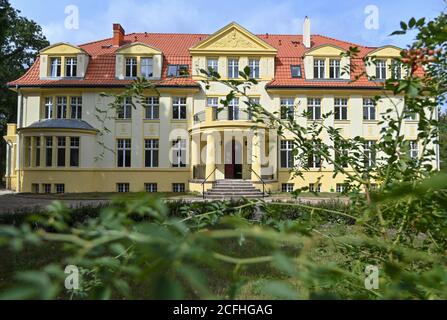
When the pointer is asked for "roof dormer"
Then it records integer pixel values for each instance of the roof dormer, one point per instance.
(326, 62)
(384, 63)
(63, 60)
(138, 60)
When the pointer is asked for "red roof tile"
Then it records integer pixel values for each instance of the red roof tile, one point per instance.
(175, 48)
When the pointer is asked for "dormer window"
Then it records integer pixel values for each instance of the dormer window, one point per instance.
(296, 71)
(334, 68)
(178, 70)
(55, 67)
(319, 68)
(71, 65)
(131, 67)
(147, 67)
(380, 69)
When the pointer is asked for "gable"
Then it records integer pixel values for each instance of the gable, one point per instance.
(62, 49)
(233, 39)
(326, 51)
(386, 51)
(138, 49)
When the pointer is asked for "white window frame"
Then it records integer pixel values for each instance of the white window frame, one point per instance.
(341, 109)
(71, 65)
(76, 107)
(152, 108)
(123, 187)
(151, 146)
(369, 109)
(233, 68)
(314, 108)
(255, 72)
(213, 63)
(179, 153)
(61, 107)
(334, 69)
(340, 187)
(381, 69)
(132, 63)
(286, 149)
(287, 187)
(178, 188)
(179, 103)
(213, 102)
(125, 111)
(289, 104)
(313, 189)
(49, 108)
(233, 109)
(56, 67)
(61, 145)
(319, 68)
(147, 69)
(75, 143)
(414, 149)
(369, 152)
(124, 146)
(151, 187)
(59, 188)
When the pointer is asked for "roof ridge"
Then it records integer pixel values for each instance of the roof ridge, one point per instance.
(335, 39)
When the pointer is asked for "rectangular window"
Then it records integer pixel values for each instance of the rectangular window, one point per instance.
(131, 67)
(61, 151)
(253, 102)
(178, 70)
(314, 108)
(287, 157)
(287, 108)
(340, 188)
(125, 111)
(76, 107)
(213, 102)
(37, 151)
(341, 109)
(233, 109)
(369, 109)
(179, 108)
(179, 153)
(414, 150)
(314, 159)
(152, 108)
(35, 188)
(178, 188)
(369, 151)
(61, 106)
(49, 151)
(124, 153)
(233, 68)
(47, 188)
(28, 151)
(122, 187)
(409, 115)
(151, 187)
(341, 155)
(71, 66)
(60, 188)
(287, 187)
(253, 64)
(296, 71)
(55, 67)
(74, 151)
(213, 64)
(147, 68)
(334, 69)
(315, 187)
(48, 108)
(396, 69)
(151, 147)
(380, 69)
(319, 69)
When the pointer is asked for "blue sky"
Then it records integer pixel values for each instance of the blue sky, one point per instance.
(343, 19)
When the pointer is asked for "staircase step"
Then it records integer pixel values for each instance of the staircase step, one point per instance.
(233, 189)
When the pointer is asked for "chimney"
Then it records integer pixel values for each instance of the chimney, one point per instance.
(306, 32)
(118, 35)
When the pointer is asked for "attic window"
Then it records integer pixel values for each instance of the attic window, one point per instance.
(296, 71)
(178, 70)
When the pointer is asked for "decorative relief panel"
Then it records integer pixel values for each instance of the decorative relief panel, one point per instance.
(123, 129)
(151, 129)
(234, 40)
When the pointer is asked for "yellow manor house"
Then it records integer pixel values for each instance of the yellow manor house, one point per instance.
(176, 141)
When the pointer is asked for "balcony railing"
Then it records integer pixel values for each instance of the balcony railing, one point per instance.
(231, 113)
(199, 117)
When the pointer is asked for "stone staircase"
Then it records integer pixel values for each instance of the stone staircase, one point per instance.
(233, 189)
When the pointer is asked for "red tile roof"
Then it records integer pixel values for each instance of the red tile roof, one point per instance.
(175, 48)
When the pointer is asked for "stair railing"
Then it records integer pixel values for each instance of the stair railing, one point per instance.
(262, 180)
(203, 183)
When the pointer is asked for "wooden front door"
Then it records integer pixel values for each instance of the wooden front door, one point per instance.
(232, 170)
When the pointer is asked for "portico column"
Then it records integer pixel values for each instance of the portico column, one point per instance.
(210, 157)
(195, 156)
(256, 157)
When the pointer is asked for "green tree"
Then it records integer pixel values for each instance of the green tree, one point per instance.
(20, 40)
(443, 140)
